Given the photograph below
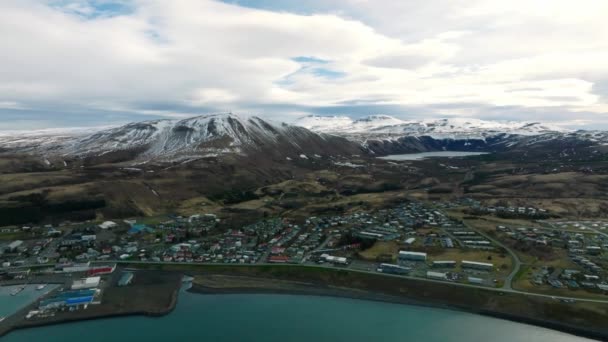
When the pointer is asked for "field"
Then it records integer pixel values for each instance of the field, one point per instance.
(381, 248)
(501, 261)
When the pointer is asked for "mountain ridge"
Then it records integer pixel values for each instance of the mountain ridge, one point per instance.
(214, 135)
(456, 128)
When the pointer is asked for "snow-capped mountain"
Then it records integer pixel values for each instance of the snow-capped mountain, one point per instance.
(44, 138)
(208, 135)
(224, 134)
(453, 128)
(382, 134)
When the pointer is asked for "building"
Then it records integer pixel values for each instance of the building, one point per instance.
(437, 275)
(12, 247)
(412, 256)
(108, 225)
(444, 264)
(100, 270)
(125, 279)
(477, 265)
(410, 241)
(69, 268)
(86, 283)
(278, 259)
(88, 237)
(69, 299)
(334, 259)
(474, 280)
(393, 269)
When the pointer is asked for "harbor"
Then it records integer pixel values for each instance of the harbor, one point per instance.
(15, 297)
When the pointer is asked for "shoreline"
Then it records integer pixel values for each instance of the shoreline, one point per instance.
(356, 294)
(17, 320)
(229, 284)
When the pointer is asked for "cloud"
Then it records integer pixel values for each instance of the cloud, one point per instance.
(154, 58)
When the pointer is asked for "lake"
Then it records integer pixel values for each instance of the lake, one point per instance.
(269, 318)
(424, 155)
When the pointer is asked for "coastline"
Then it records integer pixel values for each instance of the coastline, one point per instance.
(378, 297)
(358, 294)
(212, 283)
(17, 321)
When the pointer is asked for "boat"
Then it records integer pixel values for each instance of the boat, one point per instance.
(40, 287)
(17, 290)
(2, 318)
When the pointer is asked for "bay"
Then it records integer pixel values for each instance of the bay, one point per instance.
(269, 318)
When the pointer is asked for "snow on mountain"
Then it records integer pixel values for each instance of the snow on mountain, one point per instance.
(170, 139)
(455, 128)
(324, 124)
(213, 134)
(44, 138)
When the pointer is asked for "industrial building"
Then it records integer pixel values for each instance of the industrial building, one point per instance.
(393, 269)
(101, 270)
(76, 267)
(86, 283)
(474, 280)
(12, 247)
(125, 279)
(477, 265)
(412, 256)
(69, 299)
(334, 259)
(436, 275)
(444, 264)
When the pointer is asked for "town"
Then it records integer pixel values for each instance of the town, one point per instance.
(413, 239)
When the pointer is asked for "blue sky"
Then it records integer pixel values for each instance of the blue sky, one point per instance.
(94, 62)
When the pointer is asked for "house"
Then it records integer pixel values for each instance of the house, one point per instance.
(108, 225)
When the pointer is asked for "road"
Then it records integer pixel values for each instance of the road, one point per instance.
(508, 284)
(589, 229)
(498, 290)
(493, 289)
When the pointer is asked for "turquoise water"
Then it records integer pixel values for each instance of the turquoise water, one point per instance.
(283, 318)
(10, 304)
(424, 155)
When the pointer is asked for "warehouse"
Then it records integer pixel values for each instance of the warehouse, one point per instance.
(477, 265)
(69, 299)
(108, 225)
(86, 283)
(436, 275)
(393, 269)
(100, 270)
(125, 279)
(412, 256)
(334, 259)
(12, 247)
(410, 241)
(474, 280)
(444, 264)
(69, 268)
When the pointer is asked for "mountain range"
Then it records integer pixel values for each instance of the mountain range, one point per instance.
(229, 134)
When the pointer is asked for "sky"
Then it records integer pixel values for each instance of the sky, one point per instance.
(68, 63)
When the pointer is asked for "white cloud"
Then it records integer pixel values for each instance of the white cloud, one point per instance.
(206, 54)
